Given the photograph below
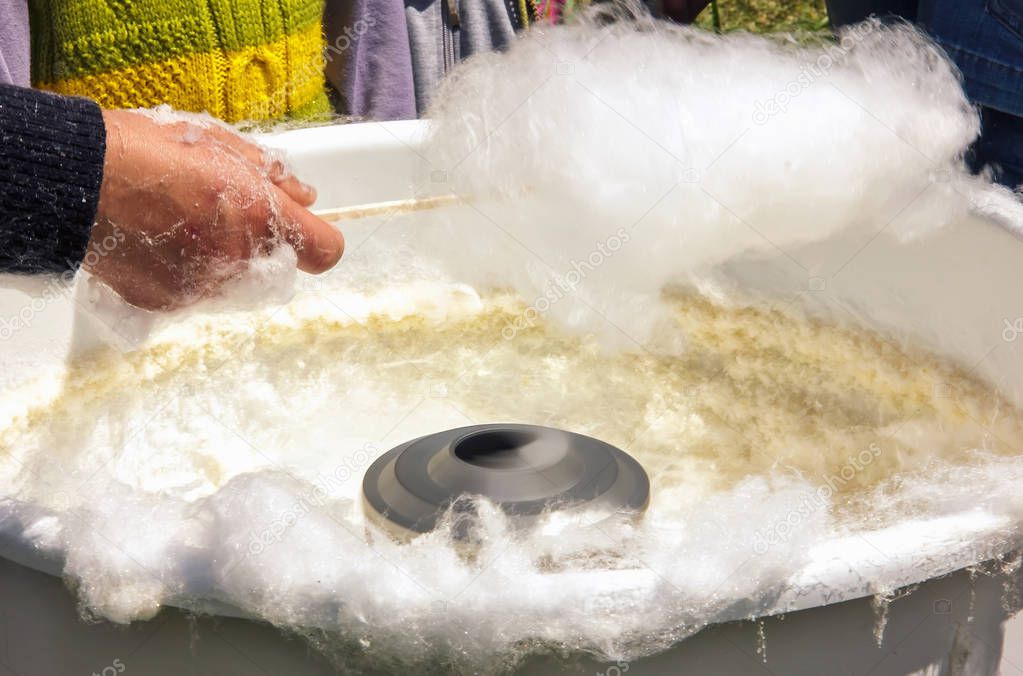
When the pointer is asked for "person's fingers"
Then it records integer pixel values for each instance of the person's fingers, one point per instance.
(301, 192)
(268, 163)
(274, 168)
(318, 244)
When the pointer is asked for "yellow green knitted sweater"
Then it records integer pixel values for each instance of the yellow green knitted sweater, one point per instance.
(235, 59)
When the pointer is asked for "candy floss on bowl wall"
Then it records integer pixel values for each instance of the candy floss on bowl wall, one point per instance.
(782, 314)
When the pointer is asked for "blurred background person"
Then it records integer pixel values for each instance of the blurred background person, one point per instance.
(234, 59)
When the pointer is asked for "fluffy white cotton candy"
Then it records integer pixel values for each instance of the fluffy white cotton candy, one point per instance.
(220, 462)
(107, 320)
(607, 161)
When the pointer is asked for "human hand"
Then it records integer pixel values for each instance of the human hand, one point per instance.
(188, 204)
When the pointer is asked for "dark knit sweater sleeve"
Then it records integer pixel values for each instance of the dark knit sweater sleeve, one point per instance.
(51, 164)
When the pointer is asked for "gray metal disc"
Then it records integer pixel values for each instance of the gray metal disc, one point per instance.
(525, 469)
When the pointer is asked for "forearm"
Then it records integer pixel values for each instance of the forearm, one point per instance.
(51, 160)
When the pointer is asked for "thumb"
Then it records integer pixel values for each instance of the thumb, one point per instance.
(319, 244)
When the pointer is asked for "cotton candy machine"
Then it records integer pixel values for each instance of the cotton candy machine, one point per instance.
(913, 596)
(527, 470)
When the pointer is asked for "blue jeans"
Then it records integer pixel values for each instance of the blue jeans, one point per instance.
(985, 40)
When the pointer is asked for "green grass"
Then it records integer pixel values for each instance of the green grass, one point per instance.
(767, 16)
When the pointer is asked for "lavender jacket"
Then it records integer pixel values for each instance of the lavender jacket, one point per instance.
(14, 52)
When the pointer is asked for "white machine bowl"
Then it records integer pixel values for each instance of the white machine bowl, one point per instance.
(958, 291)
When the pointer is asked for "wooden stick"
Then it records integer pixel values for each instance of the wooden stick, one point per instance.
(387, 208)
